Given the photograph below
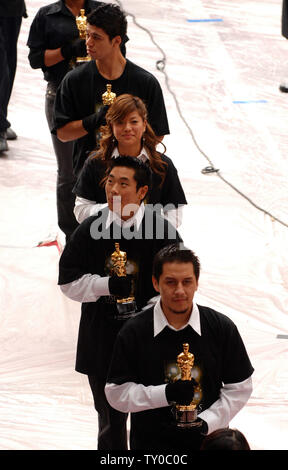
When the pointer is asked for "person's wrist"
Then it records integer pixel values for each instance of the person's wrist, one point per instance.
(66, 51)
(168, 394)
(89, 123)
(101, 286)
(204, 426)
(92, 122)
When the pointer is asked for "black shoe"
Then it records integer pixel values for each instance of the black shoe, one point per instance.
(10, 134)
(3, 142)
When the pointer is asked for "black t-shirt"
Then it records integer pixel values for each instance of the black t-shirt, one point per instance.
(219, 357)
(53, 26)
(80, 95)
(171, 192)
(86, 255)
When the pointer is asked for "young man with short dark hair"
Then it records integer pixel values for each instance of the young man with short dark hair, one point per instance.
(144, 373)
(79, 111)
(86, 275)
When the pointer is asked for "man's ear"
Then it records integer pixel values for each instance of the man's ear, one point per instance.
(142, 192)
(117, 41)
(155, 284)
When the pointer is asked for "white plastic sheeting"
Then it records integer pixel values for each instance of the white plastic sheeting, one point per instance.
(225, 73)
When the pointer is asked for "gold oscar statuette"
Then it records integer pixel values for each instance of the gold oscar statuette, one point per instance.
(108, 97)
(186, 415)
(81, 22)
(126, 306)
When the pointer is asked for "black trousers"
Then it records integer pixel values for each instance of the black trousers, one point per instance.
(112, 429)
(66, 178)
(9, 32)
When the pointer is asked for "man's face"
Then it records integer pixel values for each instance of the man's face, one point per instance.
(98, 43)
(121, 193)
(177, 286)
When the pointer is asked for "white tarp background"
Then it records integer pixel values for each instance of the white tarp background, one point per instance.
(225, 73)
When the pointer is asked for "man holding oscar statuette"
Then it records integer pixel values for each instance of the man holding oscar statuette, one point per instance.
(79, 108)
(180, 368)
(107, 265)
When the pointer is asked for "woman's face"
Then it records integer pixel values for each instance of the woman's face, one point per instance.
(129, 131)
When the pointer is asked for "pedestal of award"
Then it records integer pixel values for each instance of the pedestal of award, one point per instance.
(126, 308)
(186, 416)
(82, 60)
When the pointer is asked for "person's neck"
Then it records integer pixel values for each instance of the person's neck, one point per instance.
(75, 6)
(126, 218)
(129, 151)
(177, 320)
(113, 67)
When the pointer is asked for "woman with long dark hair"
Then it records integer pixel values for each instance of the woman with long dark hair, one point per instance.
(128, 133)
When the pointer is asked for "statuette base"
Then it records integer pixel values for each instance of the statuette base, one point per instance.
(82, 60)
(186, 416)
(126, 309)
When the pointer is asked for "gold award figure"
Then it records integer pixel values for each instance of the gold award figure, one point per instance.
(186, 414)
(185, 362)
(81, 22)
(119, 260)
(108, 97)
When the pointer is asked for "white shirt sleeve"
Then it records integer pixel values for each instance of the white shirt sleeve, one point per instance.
(174, 216)
(232, 398)
(87, 288)
(84, 208)
(132, 397)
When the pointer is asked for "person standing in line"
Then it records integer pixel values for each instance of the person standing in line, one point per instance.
(79, 109)
(87, 275)
(11, 14)
(144, 375)
(54, 44)
(128, 133)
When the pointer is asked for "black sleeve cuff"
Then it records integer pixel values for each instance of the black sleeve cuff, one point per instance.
(36, 58)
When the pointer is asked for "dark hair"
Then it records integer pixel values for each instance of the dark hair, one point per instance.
(225, 439)
(122, 106)
(175, 253)
(110, 18)
(142, 173)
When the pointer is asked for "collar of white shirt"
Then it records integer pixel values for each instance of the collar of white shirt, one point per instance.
(160, 321)
(143, 155)
(136, 219)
